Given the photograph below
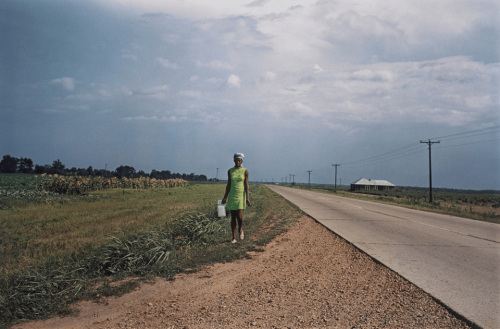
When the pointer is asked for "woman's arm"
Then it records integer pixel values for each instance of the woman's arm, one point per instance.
(228, 188)
(247, 188)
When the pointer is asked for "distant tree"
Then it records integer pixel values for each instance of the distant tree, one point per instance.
(73, 170)
(90, 171)
(25, 165)
(8, 164)
(45, 169)
(97, 172)
(125, 171)
(57, 167)
(154, 174)
(141, 173)
(203, 178)
(39, 169)
(166, 174)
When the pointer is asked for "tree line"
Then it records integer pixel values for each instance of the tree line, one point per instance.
(11, 164)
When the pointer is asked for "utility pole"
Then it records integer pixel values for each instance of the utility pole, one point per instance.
(430, 168)
(293, 178)
(217, 176)
(309, 171)
(335, 165)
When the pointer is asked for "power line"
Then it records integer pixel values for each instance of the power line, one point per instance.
(491, 132)
(468, 132)
(385, 160)
(413, 149)
(398, 150)
(490, 140)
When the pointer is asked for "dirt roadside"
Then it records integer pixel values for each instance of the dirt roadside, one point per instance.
(305, 278)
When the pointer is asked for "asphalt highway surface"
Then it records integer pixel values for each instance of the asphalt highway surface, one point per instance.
(456, 260)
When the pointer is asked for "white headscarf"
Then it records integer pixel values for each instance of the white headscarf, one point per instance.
(238, 156)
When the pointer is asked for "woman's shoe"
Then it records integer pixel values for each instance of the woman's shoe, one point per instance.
(242, 235)
(234, 241)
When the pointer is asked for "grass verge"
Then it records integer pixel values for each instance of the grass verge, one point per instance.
(192, 240)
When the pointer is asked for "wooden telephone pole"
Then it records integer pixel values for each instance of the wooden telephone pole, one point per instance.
(309, 171)
(430, 167)
(335, 165)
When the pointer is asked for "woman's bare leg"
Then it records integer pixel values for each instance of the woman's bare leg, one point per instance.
(234, 215)
(237, 216)
(240, 223)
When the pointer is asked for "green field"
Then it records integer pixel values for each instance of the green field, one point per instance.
(53, 248)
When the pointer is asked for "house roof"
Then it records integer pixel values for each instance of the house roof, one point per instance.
(373, 182)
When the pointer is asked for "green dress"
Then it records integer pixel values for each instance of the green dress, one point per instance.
(237, 196)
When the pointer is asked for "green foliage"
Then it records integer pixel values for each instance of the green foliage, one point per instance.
(37, 292)
(193, 239)
(79, 185)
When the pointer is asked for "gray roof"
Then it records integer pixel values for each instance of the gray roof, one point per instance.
(373, 182)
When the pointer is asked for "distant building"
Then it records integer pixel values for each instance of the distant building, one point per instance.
(369, 184)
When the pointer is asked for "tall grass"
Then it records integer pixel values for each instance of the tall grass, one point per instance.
(194, 237)
(31, 231)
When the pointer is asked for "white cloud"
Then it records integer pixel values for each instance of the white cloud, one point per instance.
(156, 92)
(317, 68)
(104, 92)
(215, 64)
(303, 109)
(372, 75)
(269, 76)
(65, 83)
(141, 118)
(190, 93)
(166, 63)
(174, 118)
(450, 91)
(234, 81)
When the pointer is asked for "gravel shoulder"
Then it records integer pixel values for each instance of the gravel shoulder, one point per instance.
(306, 277)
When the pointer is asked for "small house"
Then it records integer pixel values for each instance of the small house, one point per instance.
(371, 184)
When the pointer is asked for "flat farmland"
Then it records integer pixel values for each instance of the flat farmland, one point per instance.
(34, 230)
(288, 271)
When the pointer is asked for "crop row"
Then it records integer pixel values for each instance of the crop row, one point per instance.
(80, 184)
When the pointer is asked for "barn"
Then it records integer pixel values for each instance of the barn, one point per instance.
(371, 184)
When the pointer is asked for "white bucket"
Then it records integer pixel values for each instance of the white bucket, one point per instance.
(221, 210)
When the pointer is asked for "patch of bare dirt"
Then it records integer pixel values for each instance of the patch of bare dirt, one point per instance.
(307, 277)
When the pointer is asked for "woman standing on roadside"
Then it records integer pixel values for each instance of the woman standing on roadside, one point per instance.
(237, 194)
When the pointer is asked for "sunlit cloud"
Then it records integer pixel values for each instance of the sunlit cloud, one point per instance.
(65, 83)
(167, 64)
(234, 81)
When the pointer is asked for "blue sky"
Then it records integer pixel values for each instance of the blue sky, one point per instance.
(294, 85)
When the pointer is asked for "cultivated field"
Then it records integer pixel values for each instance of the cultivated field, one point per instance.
(55, 248)
(70, 254)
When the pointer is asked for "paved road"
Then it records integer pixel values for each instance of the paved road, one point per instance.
(456, 260)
